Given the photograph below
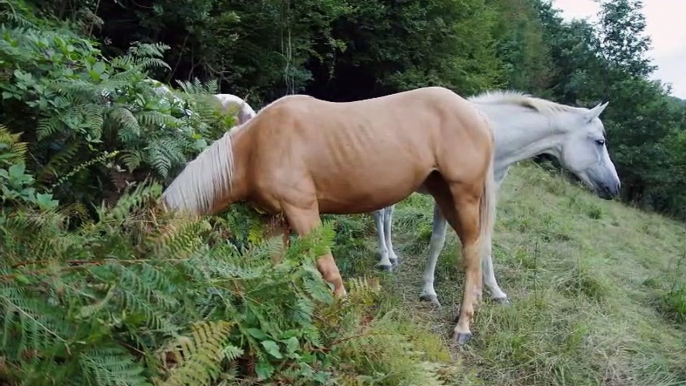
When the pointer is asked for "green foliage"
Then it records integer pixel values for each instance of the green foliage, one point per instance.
(520, 45)
(125, 295)
(136, 297)
(622, 39)
(16, 186)
(96, 125)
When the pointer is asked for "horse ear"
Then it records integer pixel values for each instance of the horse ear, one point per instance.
(596, 111)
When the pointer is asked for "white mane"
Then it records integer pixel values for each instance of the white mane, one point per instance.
(521, 99)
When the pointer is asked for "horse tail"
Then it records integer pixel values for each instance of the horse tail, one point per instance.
(487, 206)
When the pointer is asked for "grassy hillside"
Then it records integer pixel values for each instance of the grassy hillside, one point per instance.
(597, 288)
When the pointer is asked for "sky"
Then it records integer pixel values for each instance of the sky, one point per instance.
(665, 27)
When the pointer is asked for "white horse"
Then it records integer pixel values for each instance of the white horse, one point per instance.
(524, 127)
(230, 103)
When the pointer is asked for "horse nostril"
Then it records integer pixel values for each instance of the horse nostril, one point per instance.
(606, 192)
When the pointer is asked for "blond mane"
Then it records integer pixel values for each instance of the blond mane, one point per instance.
(209, 174)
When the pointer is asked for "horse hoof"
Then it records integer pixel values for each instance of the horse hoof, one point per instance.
(462, 338)
(385, 268)
(433, 299)
(503, 301)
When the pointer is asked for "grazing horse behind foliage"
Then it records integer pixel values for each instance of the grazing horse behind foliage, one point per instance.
(523, 127)
(229, 103)
(302, 157)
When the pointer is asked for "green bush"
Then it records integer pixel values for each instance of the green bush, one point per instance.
(95, 125)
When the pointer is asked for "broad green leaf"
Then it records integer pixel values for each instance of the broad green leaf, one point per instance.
(17, 170)
(99, 67)
(264, 370)
(292, 344)
(257, 333)
(272, 348)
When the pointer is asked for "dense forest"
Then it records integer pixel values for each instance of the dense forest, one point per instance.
(86, 141)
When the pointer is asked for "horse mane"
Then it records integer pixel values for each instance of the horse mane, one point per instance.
(521, 99)
(197, 186)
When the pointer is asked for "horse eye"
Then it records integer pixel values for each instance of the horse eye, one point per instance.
(600, 142)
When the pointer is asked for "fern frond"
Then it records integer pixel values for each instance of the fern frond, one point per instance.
(182, 237)
(197, 87)
(130, 201)
(58, 162)
(151, 63)
(49, 126)
(127, 124)
(199, 356)
(111, 366)
(11, 149)
(156, 119)
(31, 327)
(164, 154)
(132, 159)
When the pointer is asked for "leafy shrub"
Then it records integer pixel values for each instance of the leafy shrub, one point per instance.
(16, 186)
(102, 121)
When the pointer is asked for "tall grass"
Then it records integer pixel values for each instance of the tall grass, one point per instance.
(597, 288)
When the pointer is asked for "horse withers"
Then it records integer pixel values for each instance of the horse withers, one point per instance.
(302, 157)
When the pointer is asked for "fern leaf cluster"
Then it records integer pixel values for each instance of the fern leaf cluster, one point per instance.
(140, 298)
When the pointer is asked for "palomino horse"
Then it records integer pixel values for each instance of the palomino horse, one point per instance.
(302, 157)
(523, 127)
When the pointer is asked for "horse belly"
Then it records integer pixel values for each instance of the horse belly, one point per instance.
(366, 189)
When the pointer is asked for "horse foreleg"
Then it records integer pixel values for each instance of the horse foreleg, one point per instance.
(459, 204)
(303, 221)
(435, 247)
(466, 223)
(388, 221)
(385, 262)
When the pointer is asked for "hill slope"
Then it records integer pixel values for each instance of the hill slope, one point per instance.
(596, 287)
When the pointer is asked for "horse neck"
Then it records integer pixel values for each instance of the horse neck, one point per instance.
(522, 133)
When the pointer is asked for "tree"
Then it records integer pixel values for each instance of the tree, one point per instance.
(520, 46)
(623, 43)
(394, 46)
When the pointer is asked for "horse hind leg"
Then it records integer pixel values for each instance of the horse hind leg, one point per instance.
(302, 221)
(466, 220)
(435, 246)
(384, 261)
(388, 222)
(497, 294)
